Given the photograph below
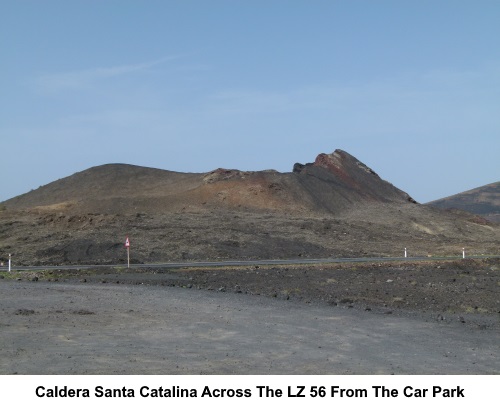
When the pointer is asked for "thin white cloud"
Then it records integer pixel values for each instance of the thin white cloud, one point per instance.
(82, 79)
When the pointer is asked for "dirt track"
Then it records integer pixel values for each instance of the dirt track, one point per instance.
(73, 327)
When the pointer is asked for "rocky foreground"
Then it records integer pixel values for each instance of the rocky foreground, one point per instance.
(459, 290)
(384, 318)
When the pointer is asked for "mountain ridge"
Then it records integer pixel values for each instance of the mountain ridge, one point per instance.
(331, 183)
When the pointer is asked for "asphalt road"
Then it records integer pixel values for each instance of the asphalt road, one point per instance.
(237, 263)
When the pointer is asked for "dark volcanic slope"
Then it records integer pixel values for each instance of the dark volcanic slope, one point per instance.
(333, 183)
(484, 201)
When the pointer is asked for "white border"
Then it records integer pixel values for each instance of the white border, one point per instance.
(22, 389)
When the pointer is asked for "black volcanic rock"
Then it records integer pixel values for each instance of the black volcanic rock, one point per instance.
(298, 167)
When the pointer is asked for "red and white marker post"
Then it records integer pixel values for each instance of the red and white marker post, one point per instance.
(127, 245)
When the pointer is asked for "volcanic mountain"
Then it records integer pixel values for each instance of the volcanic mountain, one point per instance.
(484, 201)
(335, 206)
(332, 184)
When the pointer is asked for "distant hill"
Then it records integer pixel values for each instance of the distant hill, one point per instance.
(483, 201)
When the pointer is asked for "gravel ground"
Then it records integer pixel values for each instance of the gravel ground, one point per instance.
(135, 326)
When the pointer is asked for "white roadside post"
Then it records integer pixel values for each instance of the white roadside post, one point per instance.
(127, 245)
(10, 261)
(406, 255)
(463, 253)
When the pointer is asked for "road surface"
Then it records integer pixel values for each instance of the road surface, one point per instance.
(238, 263)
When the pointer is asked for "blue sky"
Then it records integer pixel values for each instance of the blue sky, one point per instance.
(411, 88)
